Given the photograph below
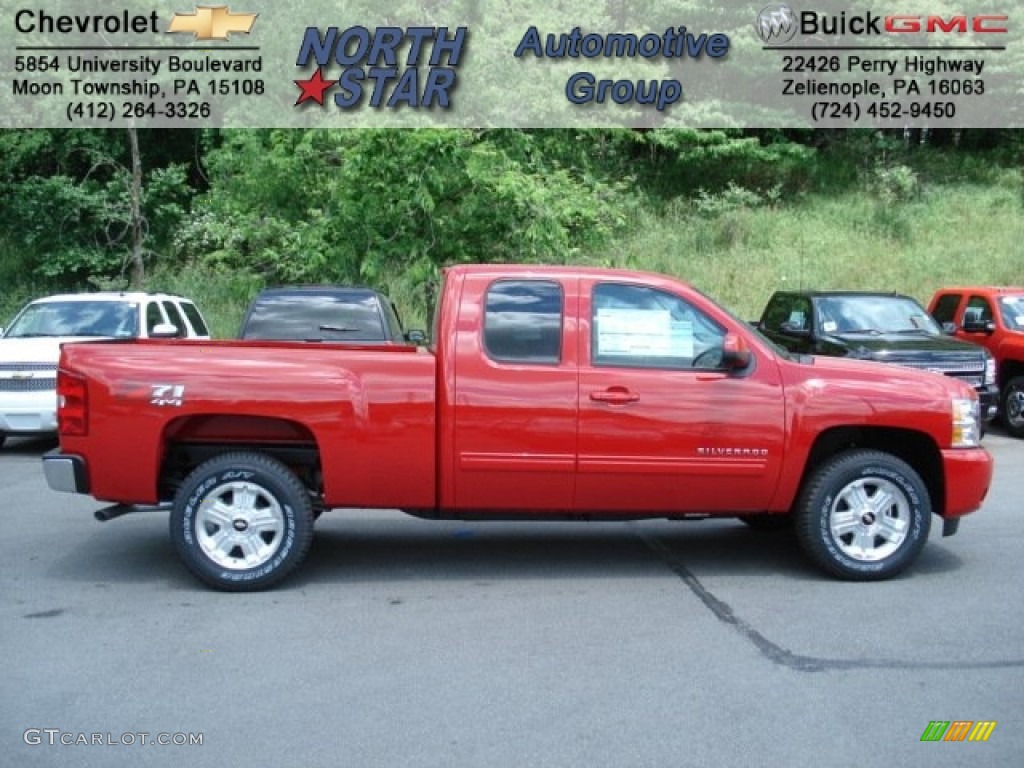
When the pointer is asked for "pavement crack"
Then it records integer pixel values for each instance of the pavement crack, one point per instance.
(782, 656)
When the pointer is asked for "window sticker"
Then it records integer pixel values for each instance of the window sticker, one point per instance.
(829, 326)
(643, 332)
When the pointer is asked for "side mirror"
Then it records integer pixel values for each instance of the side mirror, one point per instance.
(972, 325)
(735, 352)
(416, 337)
(949, 328)
(163, 331)
(788, 329)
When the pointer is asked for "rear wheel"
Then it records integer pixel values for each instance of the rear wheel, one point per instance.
(1013, 406)
(242, 521)
(863, 515)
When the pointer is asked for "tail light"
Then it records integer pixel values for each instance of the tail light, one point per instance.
(72, 402)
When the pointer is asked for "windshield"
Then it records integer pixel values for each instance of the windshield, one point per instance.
(1012, 310)
(874, 314)
(117, 319)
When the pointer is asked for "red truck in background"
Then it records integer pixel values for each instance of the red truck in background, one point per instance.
(548, 393)
(994, 318)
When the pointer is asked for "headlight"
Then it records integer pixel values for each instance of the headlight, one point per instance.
(990, 369)
(966, 420)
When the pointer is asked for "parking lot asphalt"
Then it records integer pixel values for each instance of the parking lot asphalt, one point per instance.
(404, 642)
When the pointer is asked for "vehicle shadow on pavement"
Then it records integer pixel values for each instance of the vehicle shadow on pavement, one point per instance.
(27, 446)
(510, 551)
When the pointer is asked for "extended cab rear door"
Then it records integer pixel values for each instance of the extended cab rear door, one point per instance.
(515, 394)
(663, 427)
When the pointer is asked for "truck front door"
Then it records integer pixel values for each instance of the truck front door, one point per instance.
(663, 426)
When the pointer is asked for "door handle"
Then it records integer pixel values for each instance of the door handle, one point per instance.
(614, 396)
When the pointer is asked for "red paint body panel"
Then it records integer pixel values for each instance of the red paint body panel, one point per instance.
(456, 431)
(370, 412)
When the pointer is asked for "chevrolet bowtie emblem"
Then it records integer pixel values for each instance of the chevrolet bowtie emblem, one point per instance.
(212, 22)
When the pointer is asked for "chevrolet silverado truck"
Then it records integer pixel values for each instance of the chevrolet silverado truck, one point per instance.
(993, 318)
(547, 393)
(884, 327)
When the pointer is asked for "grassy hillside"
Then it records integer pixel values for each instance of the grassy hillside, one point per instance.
(955, 233)
(894, 233)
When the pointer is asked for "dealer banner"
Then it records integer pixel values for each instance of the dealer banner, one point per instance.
(489, 63)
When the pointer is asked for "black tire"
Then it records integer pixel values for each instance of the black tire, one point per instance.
(242, 522)
(875, 540)
(1012, 406)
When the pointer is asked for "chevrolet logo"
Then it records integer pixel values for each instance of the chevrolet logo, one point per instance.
(212, 22)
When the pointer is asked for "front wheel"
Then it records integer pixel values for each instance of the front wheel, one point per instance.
(242, 521)
(863, 515)
(1013, 406)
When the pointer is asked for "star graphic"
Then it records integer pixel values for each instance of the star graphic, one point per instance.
(313, 88)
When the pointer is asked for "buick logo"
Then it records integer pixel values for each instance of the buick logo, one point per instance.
(776, 24)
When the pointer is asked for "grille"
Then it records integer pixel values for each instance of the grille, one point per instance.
(28, 367)
(968, 373)
(27, 385)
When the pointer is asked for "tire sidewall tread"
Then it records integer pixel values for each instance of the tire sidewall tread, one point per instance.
(275, 478)
(816, 499)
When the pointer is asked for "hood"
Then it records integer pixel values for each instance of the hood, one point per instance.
(36, 349)
(910, 382)
(911, 348)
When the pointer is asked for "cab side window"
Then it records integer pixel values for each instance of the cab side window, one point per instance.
(945, 308)
(176, 319)
(788, 312)
(153, 317)
(978, 309)
(523, 321)
(636, 326)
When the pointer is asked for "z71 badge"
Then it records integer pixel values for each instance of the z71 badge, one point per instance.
(167, 394)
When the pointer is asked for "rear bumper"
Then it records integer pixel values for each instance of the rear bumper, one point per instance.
(65, 472)
(968, 473)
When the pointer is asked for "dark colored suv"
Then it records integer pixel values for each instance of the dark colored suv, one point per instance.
(886, 327)
(329, 313)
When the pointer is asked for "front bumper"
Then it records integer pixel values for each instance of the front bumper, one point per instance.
(968, 476)
(28, 413)
(988, 398)
(65, 472)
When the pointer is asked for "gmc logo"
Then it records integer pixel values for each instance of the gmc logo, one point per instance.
(958, 24)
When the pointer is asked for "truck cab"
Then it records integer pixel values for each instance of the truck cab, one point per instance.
(991, 317)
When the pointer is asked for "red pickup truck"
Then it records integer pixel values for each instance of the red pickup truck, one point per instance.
(548, 393)
(993, 318)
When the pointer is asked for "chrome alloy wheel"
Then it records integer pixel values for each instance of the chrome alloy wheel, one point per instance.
(239, 525)
(869, 519)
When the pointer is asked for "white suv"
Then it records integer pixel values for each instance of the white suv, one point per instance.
(30, 347)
